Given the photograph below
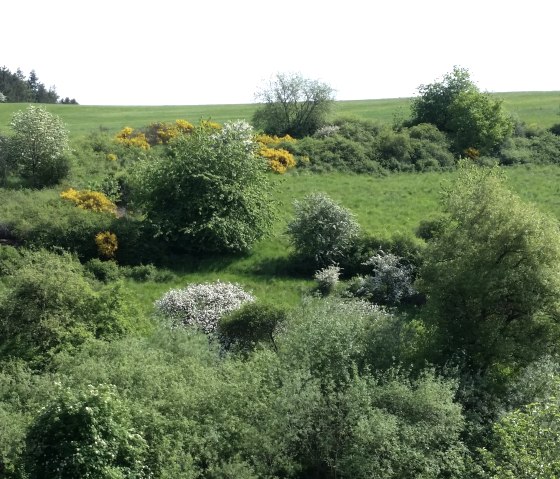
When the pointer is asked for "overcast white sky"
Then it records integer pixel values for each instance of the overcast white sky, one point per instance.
(173, 52)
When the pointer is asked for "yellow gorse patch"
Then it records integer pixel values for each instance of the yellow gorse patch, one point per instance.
(107, 244)
(90, 200)
(129, 137)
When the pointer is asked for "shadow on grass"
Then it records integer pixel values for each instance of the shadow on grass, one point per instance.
(282, 267)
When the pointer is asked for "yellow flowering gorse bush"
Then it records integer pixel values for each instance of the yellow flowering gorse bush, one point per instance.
(129, 137)
(107, 244)
(90, 200)
(279, 159)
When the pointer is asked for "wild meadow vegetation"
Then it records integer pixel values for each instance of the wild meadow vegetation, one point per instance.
(362, 289)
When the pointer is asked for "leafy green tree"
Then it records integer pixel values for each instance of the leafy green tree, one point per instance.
(38, 146)
(492, 275)
(89, 434)
(293, 105)
(479, 121)
(209, 192)
(527, 443)
(455, 105)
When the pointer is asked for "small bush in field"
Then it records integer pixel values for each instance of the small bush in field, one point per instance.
(105, 271)
(201, 305)
(242, 329)
(327, 279)
(322, 231)
(107, 244)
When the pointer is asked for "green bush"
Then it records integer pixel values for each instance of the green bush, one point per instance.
(254, 323)
(89, 434)
(104, 271)
(49, 305)
(209, 193)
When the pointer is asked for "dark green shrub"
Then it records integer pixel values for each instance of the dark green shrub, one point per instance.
(10, 260)
(337, 153)
(141, 272)
(254, 323)
(104, 271)
(364, 247)
(555, 129)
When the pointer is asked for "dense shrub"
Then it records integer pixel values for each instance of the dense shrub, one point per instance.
(89, 434)
(321, 231)
(406, 247)
(218, 197)
(253, 323)
(201, 305)
(337, 153)
(104, 271)
(492, 278)
(49, 305)
(390, 281)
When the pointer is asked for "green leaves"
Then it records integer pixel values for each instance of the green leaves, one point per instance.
(210, 192)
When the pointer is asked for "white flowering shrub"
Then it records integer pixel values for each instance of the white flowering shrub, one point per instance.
(2, 97)
(39, 145)
(237, 131)
(390, 281)
(327, 278)
(201, 305)
(322, 231)
(327, 130)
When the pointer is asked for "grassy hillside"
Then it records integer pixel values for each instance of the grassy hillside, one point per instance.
(538, 108)
(385, 206)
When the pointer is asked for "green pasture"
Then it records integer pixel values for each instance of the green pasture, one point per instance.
(535, 108)
(384, 206)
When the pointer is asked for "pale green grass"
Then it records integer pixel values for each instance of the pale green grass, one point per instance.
(538, 108)
(384, 207)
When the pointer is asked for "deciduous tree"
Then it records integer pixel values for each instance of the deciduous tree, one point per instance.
(293, 105)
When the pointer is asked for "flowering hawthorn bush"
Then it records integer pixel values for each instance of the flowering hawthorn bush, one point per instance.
(327, 278)
(391, 281)
(322, 230)
(201, 305)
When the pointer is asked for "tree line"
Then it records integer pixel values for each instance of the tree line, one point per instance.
(16, 88)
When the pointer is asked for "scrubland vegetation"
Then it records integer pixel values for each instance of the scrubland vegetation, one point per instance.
(274, 298)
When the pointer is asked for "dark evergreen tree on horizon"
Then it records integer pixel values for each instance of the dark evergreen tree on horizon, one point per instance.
(17, 89)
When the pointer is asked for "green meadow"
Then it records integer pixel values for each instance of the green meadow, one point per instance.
(384, 205)
(534, 108)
